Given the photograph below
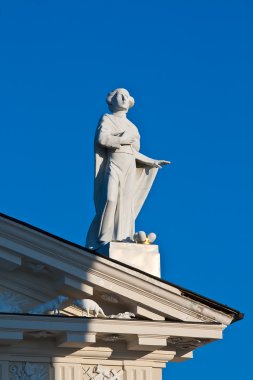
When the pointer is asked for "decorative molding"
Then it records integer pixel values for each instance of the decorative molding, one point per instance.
(111, 338)
(101, 373)
(110, 326)
(183, 343)
(38, 268)
(28, 371)
(109, 298)
(38, 334)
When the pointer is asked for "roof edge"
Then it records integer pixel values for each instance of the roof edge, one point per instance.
(237, 315)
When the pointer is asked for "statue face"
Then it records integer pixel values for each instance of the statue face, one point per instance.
(120, 101)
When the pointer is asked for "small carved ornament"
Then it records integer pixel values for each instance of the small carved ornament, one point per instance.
(28, 371)
(142, 238)
(111, 338)
(126, 315)
(101, 373)
(109, 298)
(184, 343)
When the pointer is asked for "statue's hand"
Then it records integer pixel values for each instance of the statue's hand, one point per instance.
(126, 140)
(160, 163)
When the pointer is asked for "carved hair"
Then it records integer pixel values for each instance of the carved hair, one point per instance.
(111, 95)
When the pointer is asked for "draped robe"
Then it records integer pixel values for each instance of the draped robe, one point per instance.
(123, 179)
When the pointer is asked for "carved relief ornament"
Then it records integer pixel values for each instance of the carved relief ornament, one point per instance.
(28, 371)
(101, 373)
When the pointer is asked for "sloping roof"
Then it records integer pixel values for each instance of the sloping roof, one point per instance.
(235, 314)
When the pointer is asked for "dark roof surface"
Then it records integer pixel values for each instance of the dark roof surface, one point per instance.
(237, 315)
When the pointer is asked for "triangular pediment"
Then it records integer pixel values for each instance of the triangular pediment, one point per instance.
(37, 267)
(135, 315)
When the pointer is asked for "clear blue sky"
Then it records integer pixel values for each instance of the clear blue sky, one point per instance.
(189, 66)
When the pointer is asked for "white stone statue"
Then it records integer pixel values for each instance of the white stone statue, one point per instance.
(88, 305)
(125, 315)
(53, 305)
(123, 176)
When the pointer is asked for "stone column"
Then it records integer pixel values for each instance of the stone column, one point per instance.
(142, 373)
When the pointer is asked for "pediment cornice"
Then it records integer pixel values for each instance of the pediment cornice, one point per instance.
(82, 271)
(68, 335)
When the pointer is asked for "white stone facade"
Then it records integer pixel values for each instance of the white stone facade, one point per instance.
(153, 322)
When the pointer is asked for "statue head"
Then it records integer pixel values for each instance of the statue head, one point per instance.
(119, 100)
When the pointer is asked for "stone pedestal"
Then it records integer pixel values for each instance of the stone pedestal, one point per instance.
(145, 257)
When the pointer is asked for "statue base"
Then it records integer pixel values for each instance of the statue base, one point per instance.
(145, 257)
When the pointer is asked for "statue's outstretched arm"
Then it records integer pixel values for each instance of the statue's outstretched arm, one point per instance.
(150, 161)
(144, 159)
